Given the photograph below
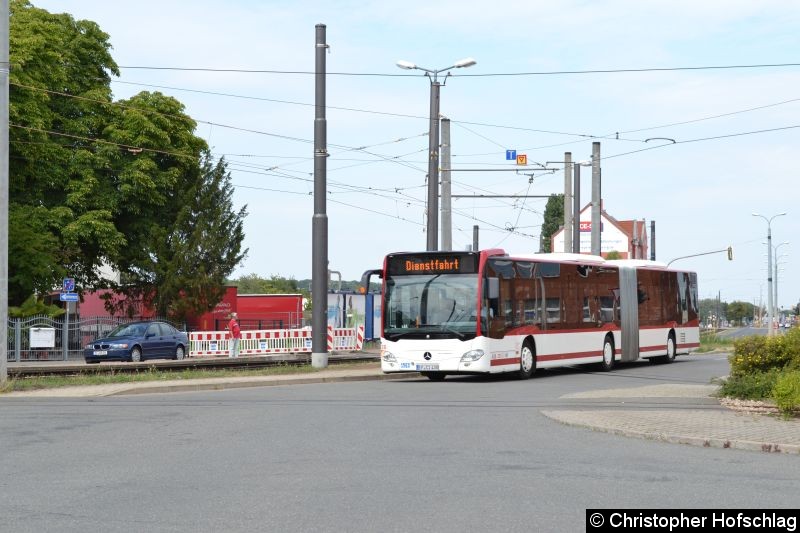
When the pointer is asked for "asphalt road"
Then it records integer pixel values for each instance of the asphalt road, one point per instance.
(467, 454)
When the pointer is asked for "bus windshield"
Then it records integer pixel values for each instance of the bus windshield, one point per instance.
(419, 306)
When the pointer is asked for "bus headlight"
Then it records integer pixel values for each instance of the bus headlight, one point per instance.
(389, 357)
(472, 355)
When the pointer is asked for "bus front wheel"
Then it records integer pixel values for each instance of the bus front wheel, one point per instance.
(527, 360)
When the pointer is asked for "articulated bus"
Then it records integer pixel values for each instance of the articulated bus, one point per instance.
(490, 312)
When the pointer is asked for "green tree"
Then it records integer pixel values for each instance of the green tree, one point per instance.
(97, 182)
(275, 284)
(613, 254)
(59, 85)
(194, 256)
(737, 311)
(553, 220)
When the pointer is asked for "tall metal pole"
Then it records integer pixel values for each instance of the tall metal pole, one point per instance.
(319, 237)
(447, 219)
(475, 238)
(4, 72)
(576, 211)
(596, 226)
(433, 168)
(567, 202)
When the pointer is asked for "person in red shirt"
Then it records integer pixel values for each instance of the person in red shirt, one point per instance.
(236, 334)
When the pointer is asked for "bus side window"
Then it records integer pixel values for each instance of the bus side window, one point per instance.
(606, 309)
(553, 309)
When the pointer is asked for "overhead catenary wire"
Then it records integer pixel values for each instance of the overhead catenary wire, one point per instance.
(462, 75)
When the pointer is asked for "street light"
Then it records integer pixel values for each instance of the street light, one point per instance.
(769, 267)
(433, 144)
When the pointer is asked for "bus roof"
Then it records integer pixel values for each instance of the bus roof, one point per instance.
(560, 257)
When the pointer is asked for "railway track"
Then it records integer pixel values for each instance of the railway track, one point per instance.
(74, 368)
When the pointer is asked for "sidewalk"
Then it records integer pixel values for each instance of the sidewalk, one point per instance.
(364, 372)
(684, 414)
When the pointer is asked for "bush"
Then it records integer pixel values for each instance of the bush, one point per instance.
(760, 354)
(786, 392)
(753, 386)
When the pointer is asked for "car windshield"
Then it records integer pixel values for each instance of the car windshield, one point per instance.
(441, 304)
(128, 330)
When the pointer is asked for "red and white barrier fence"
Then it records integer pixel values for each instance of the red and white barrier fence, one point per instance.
(274, 341)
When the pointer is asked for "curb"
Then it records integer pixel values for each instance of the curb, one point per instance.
(195, 387)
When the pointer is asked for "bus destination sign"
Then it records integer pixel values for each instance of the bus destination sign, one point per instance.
(432, 264)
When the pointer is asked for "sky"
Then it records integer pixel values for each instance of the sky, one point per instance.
(551, 77)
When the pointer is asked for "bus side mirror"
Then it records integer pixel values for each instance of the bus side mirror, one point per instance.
(730, 253)
(493, 288)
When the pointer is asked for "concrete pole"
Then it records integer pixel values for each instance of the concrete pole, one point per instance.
(433, 169)
(777, 305)
(770, 312)
(567, 202)
(4, 72)
(576, 211)
(319, 237)
(596, 224)
(447, 220)
(652, 240)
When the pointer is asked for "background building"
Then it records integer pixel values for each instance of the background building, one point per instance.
(626, 237)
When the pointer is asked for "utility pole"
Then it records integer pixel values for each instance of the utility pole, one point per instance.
(319, 237)
(447, 220)
(5, 67)
(652, 240)
(475, 238)
(596, 225)
(576, 211)
(433, 169)
(568, 216)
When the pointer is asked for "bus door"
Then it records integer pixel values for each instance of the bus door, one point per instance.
(629, 313)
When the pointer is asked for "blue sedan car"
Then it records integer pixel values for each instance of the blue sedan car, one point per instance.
(138, 341)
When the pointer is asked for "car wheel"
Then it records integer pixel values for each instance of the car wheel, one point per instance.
(608, 354)
(179, 353)
(527, 360)
(136, 355)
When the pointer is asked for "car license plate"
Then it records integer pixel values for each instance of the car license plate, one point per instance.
(428, 366)
(100, 352)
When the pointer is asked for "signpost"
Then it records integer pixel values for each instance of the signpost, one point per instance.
(68, 294)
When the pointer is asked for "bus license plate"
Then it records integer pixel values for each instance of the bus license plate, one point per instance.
(100, 352)
(428, 366)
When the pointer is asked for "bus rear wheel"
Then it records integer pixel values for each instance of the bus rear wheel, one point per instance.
(527, 360)
(671, 351)
(434, 376)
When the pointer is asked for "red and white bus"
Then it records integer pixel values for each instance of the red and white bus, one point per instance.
(490, 312)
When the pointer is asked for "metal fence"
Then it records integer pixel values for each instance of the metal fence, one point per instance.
(41, 338)
(276, 320)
